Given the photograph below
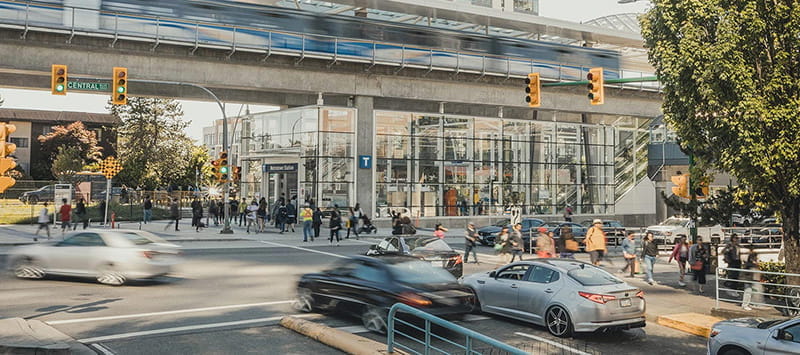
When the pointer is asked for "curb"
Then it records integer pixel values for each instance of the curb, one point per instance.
(20, 336)
(692, 323)
(335, 338)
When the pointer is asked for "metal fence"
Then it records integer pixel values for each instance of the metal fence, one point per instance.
(752, 288)
(473, 342)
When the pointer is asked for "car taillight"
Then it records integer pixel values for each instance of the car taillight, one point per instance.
(457, 259)
(413, 299)
(640, 294)
(601, 299)
(148, 254)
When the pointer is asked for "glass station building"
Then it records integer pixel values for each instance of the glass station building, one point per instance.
(441, 165)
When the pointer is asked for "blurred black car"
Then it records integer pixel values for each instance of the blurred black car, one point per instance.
(488, 234)
(615, 231)
(369, 286)
(430, 249)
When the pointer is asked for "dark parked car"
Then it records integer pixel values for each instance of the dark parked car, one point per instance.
(43, 194)
(430, 249)
(615, 231)
(488, 234)
(369, 286)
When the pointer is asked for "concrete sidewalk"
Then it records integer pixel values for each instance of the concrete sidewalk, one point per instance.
(21, 336)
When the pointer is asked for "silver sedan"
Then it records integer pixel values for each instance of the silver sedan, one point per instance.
(745, 336)
(112, 257)
(563, 295)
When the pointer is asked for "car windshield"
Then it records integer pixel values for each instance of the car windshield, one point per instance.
(142, 237)
(551, 225)
(419, 272)
(770, 322)
(674, 222)
(434, 244)
(593, 276)
(502, 223)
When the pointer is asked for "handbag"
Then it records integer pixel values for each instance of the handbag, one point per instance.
(697, 265)
(498, 246)
(571, 245)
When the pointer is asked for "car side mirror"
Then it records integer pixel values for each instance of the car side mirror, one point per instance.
(493, 274)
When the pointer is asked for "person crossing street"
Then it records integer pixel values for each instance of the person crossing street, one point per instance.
(307, 216)
(470, 237)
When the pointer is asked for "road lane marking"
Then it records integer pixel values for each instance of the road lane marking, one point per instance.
(548, 341)
(186, 328)
(102, 349)
(139, 315)
(303, 249)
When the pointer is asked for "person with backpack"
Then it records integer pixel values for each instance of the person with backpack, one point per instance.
(335, 225)
(282, 217)
(470, 237)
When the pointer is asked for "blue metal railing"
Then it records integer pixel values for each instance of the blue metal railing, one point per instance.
(470, 336)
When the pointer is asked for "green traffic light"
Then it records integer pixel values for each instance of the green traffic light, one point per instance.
(59, 88)
(223, 170)
(121, 89)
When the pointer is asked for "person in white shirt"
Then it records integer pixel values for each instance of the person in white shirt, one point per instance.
(44, 222)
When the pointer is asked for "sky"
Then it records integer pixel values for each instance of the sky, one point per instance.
(202, 114)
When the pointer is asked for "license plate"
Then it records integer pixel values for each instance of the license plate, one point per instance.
(625, 302)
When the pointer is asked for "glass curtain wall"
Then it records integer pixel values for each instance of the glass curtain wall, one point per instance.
(442, 165)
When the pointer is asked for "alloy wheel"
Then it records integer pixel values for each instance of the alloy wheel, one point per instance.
(558, 322)
(304, 302)
(27, 268)
(108, 275)
(374, 319)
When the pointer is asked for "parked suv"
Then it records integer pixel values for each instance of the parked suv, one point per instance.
(43, 194)
(666, 232)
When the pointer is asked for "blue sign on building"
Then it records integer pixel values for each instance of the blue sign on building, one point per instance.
(365, 162)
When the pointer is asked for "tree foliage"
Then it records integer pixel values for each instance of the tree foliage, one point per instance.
(68, 161)
(198, 171)
(74, 135)
(730, 71)
(153, 147)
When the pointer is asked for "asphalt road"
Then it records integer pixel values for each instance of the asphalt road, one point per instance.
(227, 298)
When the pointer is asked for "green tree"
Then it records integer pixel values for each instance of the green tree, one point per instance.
(198, 170)
(152, 145)
(729, 70)
(73, 135)
(68, 161)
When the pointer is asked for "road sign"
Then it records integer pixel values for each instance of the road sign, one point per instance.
(88, 86)
(110, 167)
(365, 161)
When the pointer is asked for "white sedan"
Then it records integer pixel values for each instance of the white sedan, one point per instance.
(110, 256)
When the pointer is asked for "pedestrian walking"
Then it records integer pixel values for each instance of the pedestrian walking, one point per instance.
(438, 232)
(213, 211)
(545, 243)
(335, 225)
(680, 253)
(282, 217)
(596, 242)
(252, 216)
(80, 213)
(566, 243)
(732, 256)
(307, 216)
(197, 215)
(649, 254)
(174, 214)
(629, 253)
(316, 222)
(568, 213)
(261, 215)
(698, 261)
(147, 209)
(352, 223)
(752, 289)
(470, 237)
(221, 211)
(274, 211)
(291, 215)
(503, 245)
(517, 243)
(66, 213)
(243, 212)
(44, 222)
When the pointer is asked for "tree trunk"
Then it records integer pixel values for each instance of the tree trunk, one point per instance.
(791, 239)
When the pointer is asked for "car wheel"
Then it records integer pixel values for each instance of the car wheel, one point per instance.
(108, 275)
(304, 301)
(793, 301)
(27, 268)
(558, 322)
(476, 303)
(33, 200)
(374, 319)
(734, 351)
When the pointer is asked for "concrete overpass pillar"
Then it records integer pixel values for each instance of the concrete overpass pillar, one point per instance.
(365, 143)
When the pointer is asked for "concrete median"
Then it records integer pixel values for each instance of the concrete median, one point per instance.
(344, 341)
(692, 323)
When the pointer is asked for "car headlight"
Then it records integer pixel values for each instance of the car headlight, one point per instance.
(714, 332)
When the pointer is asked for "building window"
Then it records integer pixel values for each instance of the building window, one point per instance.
(20, 142)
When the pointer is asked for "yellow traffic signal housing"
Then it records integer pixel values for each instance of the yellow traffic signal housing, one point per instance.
(237, 173)
(224, 169)
(534, 90)
(681, 188)
(119, 84)
(6, 149)
(595, 86)
(58, 79)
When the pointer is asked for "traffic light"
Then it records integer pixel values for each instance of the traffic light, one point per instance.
(6, 149)
(595, 86)
(534, 98)
(215, 169)
(58, 79)
(681, 188)
(702, 190)
(120, 86)
(237, 173)
(224, 169)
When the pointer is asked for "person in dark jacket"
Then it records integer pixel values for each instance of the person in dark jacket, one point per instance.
(213, 211)
(80, 212)
(282, 217)
(175, 215)
(147, 206)
(316, 222)
(649, 254)
(335, 225)
(197, 214)
(291, 216)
